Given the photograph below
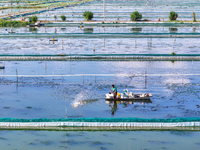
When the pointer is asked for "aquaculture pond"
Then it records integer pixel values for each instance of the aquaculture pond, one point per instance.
(121, 10)
(152, 140)
(74, 89)
(77, 88)
(37, 40)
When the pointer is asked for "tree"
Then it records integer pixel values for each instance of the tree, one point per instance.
(34, 19)
(63, 17)
(136, 16)
(194, 17)
(55, 17)
(173, 16)
(88, 15)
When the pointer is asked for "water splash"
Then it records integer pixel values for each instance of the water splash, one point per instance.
(83, 98)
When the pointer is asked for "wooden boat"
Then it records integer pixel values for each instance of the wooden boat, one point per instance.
(129, 96)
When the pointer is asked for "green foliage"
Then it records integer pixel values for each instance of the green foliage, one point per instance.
(5, 23)
(55, 17)
(173, 53)
(194, 17)
(173, 16)
(88, 15)
(136, 16)
(33, 19)
(63, 17)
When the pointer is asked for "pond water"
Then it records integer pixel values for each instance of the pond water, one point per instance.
(77, 89)
(152, 140)
(121, 10)
(108, 45)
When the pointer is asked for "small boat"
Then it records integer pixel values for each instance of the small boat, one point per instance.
(2, 67)
(53, 40)
(37, 24)
(11, 32)
(135, 101)
(129, 96)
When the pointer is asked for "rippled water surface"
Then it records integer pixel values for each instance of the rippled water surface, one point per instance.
(76, 89)
(32, 139)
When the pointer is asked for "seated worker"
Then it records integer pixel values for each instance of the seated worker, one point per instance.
(114, 91)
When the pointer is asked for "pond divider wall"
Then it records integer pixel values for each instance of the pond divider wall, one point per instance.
(122, 24)
(103, 35)
(100, 122)
(63, 57)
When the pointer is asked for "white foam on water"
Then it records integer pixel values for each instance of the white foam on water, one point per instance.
(82, 98)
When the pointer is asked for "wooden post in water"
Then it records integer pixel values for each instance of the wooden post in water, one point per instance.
(115, 77)
(53, 75)
(83, 78)
(65, 105)
(182, 78)
(17, 76)
(145, 79)
(45, 65)
(135, 44)
(62, 44)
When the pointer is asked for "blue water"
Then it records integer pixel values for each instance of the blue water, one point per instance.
(174, 85)
(33, 139)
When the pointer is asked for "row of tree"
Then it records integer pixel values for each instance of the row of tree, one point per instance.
(135, 16)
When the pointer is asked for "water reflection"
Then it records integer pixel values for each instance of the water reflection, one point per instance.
(172, 30)
(137, 30)
(88, 30)
(33, 30)
(113, 104)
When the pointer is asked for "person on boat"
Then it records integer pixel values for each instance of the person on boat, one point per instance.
(114, 91)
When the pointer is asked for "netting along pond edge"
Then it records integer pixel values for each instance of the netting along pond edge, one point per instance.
(181, 57)
(100, 122)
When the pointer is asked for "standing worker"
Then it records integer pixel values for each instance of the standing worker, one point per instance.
(114, 91)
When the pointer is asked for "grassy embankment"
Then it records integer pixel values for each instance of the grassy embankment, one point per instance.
(13, 23)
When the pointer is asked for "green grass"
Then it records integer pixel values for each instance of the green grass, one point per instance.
(9, 23)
